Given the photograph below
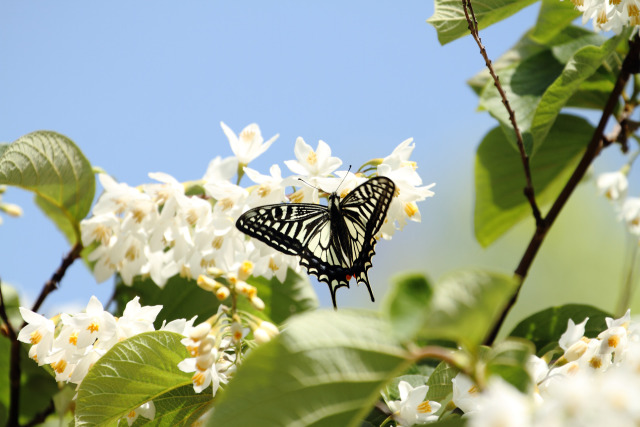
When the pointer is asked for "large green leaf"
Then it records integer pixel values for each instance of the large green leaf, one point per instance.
(499, 177)
(465, 305)
(546, 326)
(449, 19)
(54, 168)
(325, 369)
(137, 370)
(538, 86)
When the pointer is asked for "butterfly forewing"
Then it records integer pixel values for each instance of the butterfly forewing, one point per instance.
(334, 249)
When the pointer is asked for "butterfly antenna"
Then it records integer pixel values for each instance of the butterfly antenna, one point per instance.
(343, 178)
(309, 185)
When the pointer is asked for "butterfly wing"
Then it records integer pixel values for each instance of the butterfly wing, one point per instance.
(300, 229)
(305, 230)
(364, 210)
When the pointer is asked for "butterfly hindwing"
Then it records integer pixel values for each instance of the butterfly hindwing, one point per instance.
(334, 243)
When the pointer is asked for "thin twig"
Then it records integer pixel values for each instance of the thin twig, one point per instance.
(630, 65)
(528, 189)
(40, 417)
(52, 284)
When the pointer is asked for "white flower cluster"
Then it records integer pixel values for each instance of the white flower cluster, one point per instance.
(595, 383)
(614, 186)
(163, 229)
(79, 340)
(609, 15)
(73, 345)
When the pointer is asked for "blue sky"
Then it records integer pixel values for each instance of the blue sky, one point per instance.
(142, 87)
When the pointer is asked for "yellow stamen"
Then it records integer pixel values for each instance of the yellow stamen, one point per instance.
(602, 17)
(247, 136)
(93, 327)
(132, 253)
(410, 209)
(312, 158)
(473, 389)
(102, 234)
(217, 242)
(264, 190)
(59, 366)
(613, 341)
(138, 215)
(198, 378)
(595, 362)
(424, 407)
(297, 197)
(226, 204)
(35, 337)
(272, 265)
(73, 338)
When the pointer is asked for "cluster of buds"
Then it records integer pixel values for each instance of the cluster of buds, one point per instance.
(223, 284)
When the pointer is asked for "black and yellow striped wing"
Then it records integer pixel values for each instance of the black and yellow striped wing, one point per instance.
(334, 242)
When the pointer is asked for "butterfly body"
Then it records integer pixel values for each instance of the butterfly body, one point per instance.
(334, 242)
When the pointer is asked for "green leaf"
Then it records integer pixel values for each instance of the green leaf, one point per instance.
(407, 304)
(553, 17)
(508, 359)
(500, 202)
(137, 370)
(524, 85)
(449, 19)
(180, 298)
(546, 326)
(325, 369)
(54, 168)
(440, 386)
(539, 82)
(582, 65)
(466, 304)
(282, 300)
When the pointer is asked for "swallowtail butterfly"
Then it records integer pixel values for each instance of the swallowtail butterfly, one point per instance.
(334, 242)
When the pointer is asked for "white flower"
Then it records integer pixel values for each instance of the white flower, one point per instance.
(248, 144)
(465, 393)
(270, 188)
(38, 332)
(412, 408)
(221, 169)
(408, 192)
(93, 324)
(312, 163)
(613, 185)
(573, 334)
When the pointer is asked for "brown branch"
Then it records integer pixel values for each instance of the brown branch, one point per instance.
(52, 284)
(630, 66)
(528, 191)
